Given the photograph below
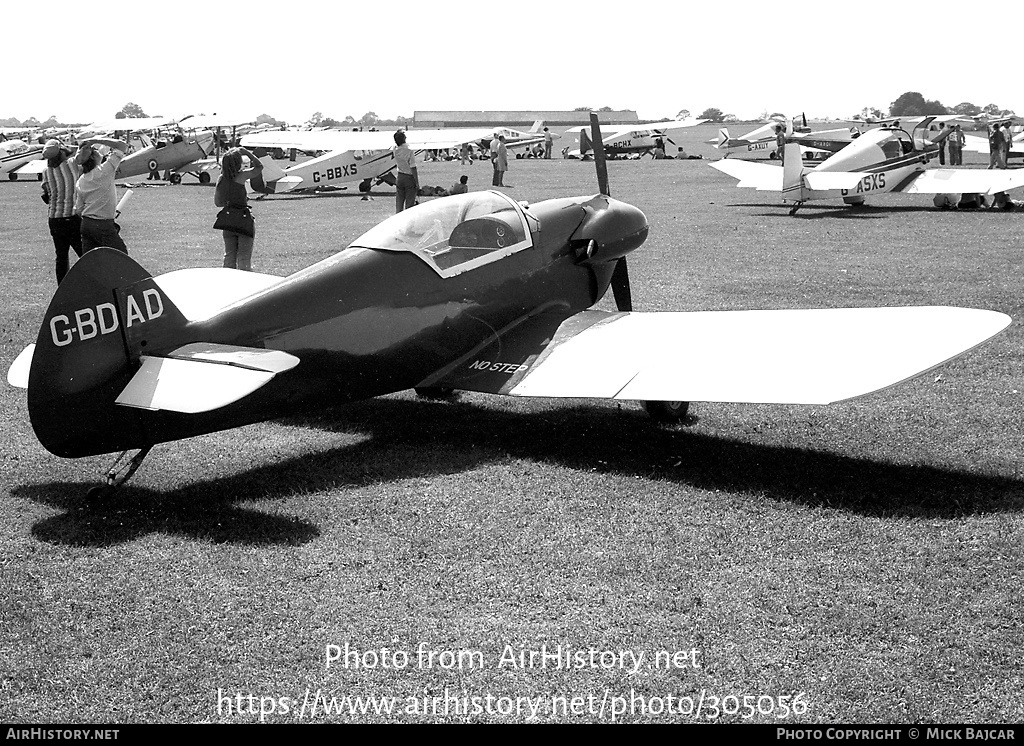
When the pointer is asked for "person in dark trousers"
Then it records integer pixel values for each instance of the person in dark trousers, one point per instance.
(231, 192)
(59, 195)
(956, 146)
(408, 184)
(95, 194)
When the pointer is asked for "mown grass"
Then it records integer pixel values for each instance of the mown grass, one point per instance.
(865, 555)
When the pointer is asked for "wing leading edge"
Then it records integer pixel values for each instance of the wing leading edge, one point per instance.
(815, 356)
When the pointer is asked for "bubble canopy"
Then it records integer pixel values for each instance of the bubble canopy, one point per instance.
(454, 234)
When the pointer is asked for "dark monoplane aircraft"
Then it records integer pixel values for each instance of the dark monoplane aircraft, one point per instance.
(472, 292)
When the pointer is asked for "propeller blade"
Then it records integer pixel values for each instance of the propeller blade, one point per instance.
(599, 162)
(620, 286)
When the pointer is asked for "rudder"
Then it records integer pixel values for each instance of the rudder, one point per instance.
(106, 311)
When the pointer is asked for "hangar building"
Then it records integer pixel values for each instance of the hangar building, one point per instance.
(520, 119)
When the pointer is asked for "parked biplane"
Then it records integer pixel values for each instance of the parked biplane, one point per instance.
(886, 159)
(471, 292)
(171, 153)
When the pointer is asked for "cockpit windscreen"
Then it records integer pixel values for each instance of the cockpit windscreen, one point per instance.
(454, 234)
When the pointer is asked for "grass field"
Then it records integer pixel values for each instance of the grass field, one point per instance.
(855, 563)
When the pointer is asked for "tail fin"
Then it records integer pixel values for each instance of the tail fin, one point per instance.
(585, 144)
(537, 126)
(105, 313)
(265, 180)
(793, 189)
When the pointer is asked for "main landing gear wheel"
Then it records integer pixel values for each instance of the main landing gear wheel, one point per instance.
(669, 412)
(175, 178)
(119, 472)
(204, 177)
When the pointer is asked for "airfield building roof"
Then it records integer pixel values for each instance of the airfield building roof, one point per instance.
(517, 118)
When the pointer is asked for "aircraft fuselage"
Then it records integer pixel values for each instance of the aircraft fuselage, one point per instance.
(363, 322)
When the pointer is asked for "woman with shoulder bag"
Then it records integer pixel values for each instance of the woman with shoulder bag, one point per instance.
(234, 219)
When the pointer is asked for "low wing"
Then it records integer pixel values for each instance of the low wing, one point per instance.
(751, 175)
(961, 180)
(36, 166)
(815, 356)
(201, 292)
(975, 144)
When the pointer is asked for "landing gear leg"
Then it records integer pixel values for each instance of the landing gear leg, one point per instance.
(119, 472)
(667, 411)
(793, 209)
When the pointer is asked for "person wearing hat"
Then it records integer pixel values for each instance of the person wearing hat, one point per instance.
(59, 195)
(95, 195)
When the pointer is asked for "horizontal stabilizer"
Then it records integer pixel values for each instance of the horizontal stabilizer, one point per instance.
(751, 175)
(36, 166)
(826, 180)
(813, 356)
(17, 374)
(269, 361)
(189, 386)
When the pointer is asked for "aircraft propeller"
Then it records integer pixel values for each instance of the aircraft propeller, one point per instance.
(620, 275)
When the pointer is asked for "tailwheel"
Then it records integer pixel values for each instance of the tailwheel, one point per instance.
(435, 392)
(667, 411)
(119, 472)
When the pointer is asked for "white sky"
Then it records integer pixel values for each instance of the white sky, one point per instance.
(291, 59)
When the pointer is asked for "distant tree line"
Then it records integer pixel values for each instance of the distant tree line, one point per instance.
(913, 104)
(910, 104)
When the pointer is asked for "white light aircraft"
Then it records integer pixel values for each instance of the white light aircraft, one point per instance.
(630, 138)
(763, 143)
(16, 157)
(881, 160)
(356, 157)
(975, 144)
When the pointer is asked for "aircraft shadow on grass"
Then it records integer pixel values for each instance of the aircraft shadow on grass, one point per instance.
(418, 438)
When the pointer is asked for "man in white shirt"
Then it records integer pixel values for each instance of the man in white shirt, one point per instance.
(95, 194)
(408, 181)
